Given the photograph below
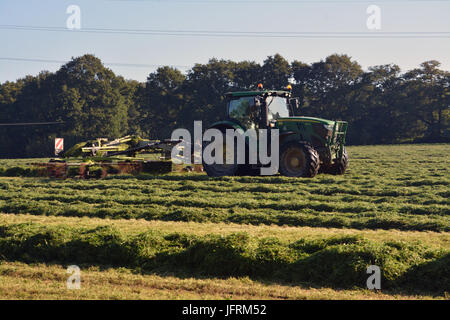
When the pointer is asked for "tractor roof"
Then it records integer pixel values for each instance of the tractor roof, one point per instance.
(238, 94)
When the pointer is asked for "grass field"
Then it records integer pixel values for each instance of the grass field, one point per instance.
(189, 236)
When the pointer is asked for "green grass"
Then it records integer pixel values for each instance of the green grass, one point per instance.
(9, 163)
(339, 262)
(391, 209)
(437, 240)
(407, 189)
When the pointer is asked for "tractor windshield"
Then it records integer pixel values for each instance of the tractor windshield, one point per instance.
(241, 110)
(278, 108)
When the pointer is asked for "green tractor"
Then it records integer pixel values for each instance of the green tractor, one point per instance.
(307, 145)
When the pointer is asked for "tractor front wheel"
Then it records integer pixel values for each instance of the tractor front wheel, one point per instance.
(298, 159)
(339, 165)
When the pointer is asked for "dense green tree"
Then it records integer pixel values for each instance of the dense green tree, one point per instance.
(90, 99)
(369, 110)
(276, 72)
(300, 72)
(205, 87)
(247, 75)
(83, 94)
(161, 102)
(131, 92)
(425, 97)
(327, 85)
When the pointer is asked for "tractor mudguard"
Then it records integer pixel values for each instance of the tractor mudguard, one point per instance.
(227, 124)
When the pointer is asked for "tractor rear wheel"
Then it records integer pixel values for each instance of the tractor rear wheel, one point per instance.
(247, 170)
(298, 159)
(220, 170)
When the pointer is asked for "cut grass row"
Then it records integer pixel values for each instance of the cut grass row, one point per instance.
(320, 202)
(41, 281)
(133, 193)
(152, 202)
(436, 240)
(243, 216)
(337, 261)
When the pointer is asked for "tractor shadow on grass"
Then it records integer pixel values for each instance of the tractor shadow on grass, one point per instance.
(202, 177)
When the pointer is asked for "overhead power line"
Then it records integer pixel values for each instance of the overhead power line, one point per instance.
(252, 34)
(29, 123)
(117, 64)
(275, 1)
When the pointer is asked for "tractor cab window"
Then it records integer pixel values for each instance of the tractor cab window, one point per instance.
(278, 108)
(241, 110)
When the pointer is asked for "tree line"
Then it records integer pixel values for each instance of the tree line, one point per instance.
(382, 105)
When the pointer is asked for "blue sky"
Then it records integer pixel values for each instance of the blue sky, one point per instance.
(217, 15)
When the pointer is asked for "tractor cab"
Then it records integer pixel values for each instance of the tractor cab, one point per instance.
(259, 109)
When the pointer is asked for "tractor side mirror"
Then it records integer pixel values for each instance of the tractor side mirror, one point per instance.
(257, 102)
(255, 108)
(294, 104)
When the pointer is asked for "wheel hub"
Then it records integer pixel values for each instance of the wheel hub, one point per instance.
(294, 160)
